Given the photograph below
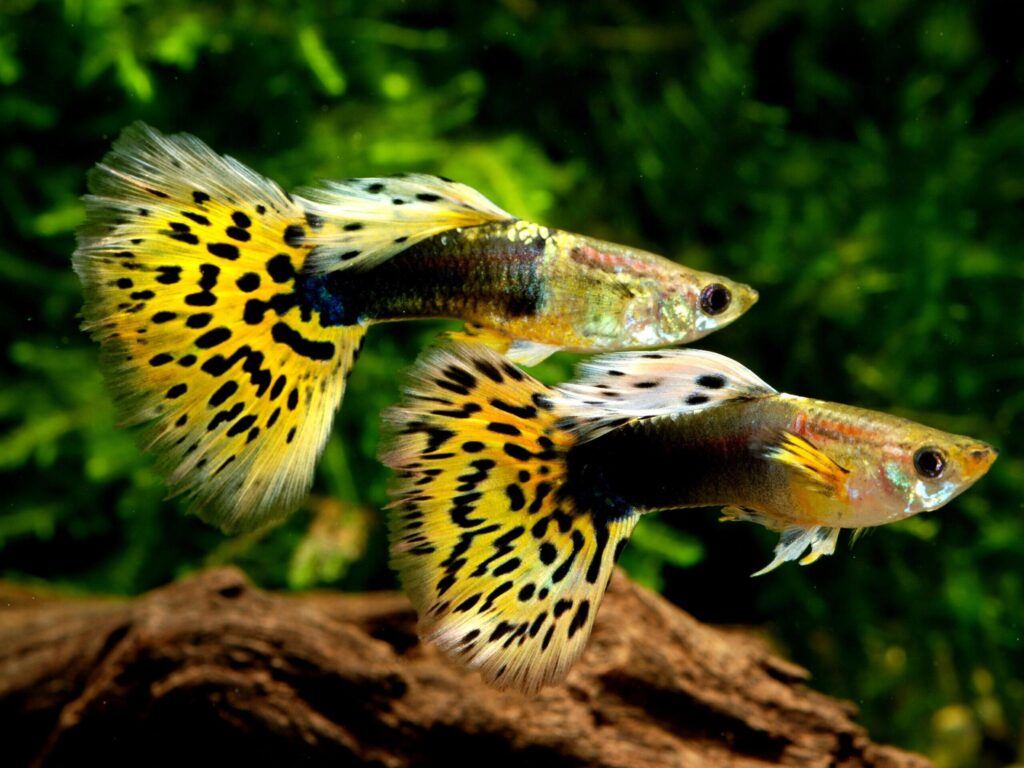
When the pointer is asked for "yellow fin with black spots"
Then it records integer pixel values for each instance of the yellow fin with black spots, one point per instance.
(189, 263)
(505, 568)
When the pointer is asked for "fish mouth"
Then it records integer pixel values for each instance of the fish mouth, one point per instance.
(978, 458)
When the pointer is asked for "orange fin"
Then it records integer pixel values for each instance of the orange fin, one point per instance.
(815, 468)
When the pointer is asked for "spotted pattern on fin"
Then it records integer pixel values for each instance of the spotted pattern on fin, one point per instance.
(611, 389)
(189, 262)
(363, 222)
(505, 571)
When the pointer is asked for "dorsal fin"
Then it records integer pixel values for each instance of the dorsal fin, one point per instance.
(363, 222)
(631, 385)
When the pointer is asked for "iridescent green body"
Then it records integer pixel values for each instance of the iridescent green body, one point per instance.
(547, 286)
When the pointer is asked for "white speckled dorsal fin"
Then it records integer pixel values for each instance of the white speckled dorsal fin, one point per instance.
(631, 385)
(359, 223)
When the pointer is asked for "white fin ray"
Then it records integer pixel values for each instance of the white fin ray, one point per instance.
(795, 539)
(359, 223)
(614, 388)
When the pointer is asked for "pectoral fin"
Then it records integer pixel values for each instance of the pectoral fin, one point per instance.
(814, 467)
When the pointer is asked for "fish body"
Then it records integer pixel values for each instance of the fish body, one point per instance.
(230, 312)
(517, 280)
(513, 499)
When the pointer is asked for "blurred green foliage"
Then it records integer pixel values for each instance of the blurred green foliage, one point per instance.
(861, 164)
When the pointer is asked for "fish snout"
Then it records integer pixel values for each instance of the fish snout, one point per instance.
(979, 458)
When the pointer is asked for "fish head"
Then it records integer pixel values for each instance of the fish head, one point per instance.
(907, 469)
(698, 303)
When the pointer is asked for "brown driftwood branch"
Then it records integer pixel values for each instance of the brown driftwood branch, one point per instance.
(214, 671)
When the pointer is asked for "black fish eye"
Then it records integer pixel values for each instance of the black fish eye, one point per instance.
(929, 462)
(715, 299)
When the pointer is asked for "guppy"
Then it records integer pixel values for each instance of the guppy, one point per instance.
(230, 313)
(513, 500)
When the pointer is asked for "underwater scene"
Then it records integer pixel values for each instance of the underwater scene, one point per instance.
(445, 297)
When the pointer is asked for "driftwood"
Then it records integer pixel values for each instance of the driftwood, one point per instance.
(212, 670)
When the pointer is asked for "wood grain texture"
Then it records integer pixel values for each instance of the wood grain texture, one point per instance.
(212, 670)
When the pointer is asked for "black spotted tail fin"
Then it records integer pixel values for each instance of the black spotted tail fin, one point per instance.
(189, 262)
(504, 567)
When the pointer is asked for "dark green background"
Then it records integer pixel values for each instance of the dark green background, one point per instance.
(861, 164)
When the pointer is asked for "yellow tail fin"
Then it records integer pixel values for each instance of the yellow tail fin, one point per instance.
(189, 263)
(505, 568)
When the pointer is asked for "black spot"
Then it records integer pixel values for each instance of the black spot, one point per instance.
(428, 197)
(224, 416)
(125, 283)
(223, 250)
(142, 295)
(209, 273)
(226, 390)
(516, 499)
(278, 387)
(187, 361)
(507, 567)
(468, 603)
(182, 420)
(646, 384)
(503, 429)
(401, 239)
(579, 619)
(161, 359)
(200, 197)
(199, 320)
(241, 425)
(294, 235)
(248, 282)
(253, 434)
(223, 466)
(472, 446)
(398, 201)
(314, 350)
(548, 553)
(280, 268)
(697, 399)
(711, 381)
(168, 275)
(293, 399)
(561, 607)
(618, 549)
(184, 237)
(261, 209)
(375, 188)
(157, 193)
(213, 338)
(349, 255)
(177, 391)
(273, 418)
(517, 452)
(355, 226)
(198, 218)
(526, 593)
(241, 220)
(164, 317)
(237, 233)
(314, 221)
(523, 412)
(488, 370)
(547, 638)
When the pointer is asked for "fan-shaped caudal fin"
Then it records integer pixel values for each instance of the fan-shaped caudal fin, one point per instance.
(505, 569)
(189, 263)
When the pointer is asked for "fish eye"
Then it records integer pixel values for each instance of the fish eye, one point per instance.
(715, 299)
(929, 462)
